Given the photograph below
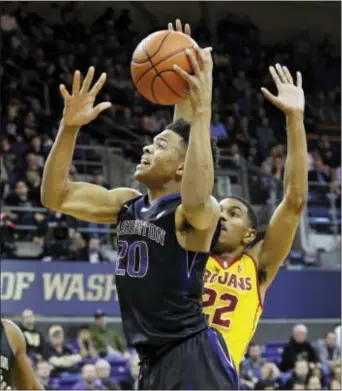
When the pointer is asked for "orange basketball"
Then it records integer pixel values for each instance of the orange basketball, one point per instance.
(152, 67)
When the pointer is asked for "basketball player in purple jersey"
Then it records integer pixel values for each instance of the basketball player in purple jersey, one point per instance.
(164, 237)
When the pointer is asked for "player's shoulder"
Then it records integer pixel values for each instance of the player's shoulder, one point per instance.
(254, 252)
(124, 194)
(10, 325)
(214, 263)
(14, 334)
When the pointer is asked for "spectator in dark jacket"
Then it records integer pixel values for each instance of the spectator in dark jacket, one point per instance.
(320, 173)
(297, 348)
(92, 253)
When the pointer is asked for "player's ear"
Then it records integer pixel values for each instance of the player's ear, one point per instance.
(179, 172)
(249, 237)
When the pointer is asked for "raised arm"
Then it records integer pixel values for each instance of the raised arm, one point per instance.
(23, 376)
(200, 209)
(282, 228)
(182, 110)
(81, 200)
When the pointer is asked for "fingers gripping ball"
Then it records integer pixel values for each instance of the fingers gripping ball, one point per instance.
(152, 67)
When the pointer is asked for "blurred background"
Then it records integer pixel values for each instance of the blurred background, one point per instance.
(57, 277)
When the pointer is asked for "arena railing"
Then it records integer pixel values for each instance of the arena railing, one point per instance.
(265, 192)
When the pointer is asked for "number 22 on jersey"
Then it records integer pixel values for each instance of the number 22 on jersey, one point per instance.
(218, 306)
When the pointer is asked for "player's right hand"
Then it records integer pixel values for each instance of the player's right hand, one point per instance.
(79, 107)
(201, 83)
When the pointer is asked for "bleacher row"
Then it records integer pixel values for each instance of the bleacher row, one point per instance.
(66, 381)
(120, 370)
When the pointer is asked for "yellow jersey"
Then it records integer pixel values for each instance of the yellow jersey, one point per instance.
(231, 299)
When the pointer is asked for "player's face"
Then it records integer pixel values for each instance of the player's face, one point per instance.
(235, 230)
(162, 161)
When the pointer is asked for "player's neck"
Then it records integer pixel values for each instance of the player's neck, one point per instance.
(169, 188)
(229, 255)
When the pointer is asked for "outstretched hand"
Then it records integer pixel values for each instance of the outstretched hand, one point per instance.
(290, 97)
(201, 82)
(179, 27)
(79, 107)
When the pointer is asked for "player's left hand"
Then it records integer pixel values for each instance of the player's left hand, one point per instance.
(179, 27)
(290, 97)
(201, 83)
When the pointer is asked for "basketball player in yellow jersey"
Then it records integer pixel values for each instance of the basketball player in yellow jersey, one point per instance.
(240, 271)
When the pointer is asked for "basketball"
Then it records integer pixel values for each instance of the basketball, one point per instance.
(152, 67)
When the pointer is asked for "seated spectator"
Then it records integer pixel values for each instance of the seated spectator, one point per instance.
(7, 241)
(38, 149)
(297, 348)
(336, 371)
(106, 341)
(217, 128)
(265, 135)
(328, 350)
(298, 385)
(318, 371)
(35, 342)
(103, 373)
(314, 383)
(320, 173)
(250, 368)
(58, 354)
(43, 375)
(34, 180)
(85, 343)
(76, 244)
(269, 376)
(98, 180)
(335, 385)
(58, 235)
(300, 374)
(131, 383)
(89, 380)
(21, 198)
(92, 253)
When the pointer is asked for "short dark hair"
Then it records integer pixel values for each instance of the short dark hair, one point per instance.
(182, 128)
(252, 217)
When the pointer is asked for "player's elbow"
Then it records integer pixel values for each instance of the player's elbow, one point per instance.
(52, 198)
(296, 200)
(49, 200)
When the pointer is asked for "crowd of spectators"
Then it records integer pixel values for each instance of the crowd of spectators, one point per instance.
(86, 362)
(98, 358)
(297, 364)
(40, 55)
